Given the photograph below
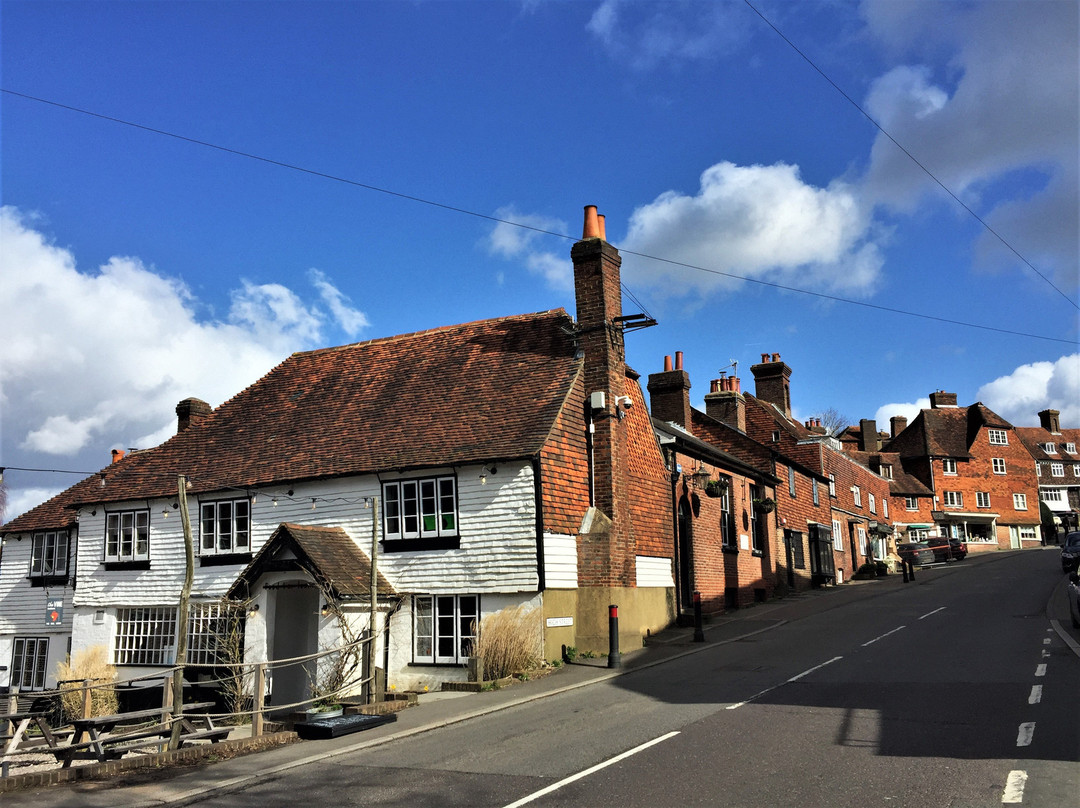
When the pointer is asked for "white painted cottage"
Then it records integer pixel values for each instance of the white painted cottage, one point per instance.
(502, 462)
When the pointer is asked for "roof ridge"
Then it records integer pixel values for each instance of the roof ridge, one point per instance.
(428, 331)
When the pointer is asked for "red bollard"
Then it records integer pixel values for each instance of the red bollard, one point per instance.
(614, 658)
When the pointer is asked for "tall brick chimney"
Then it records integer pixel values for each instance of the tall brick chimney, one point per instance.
(942, 400)
(897, 424)
(868, 436)
(725, 402)
(669, 393)
(772, 382)
(606, 556)
(190, 410)
(1050, 421)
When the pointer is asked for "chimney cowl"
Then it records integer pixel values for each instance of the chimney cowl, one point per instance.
(117, 455)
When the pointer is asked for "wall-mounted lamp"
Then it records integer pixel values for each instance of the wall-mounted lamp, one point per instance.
(313, 503)
(325, 610)
(485, 471)
(253, 609)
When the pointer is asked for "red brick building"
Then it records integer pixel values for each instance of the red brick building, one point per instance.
(724, 525)
(1057, 466)
(982, 475)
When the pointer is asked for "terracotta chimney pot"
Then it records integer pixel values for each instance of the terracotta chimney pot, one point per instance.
(117, 455)
(667, 364)
(678, 360)
(592, 223)
(776, 357)
(602, 226)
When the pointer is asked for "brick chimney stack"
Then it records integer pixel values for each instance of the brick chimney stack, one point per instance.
(606, 555)
(1050, 421)
(669, 393)
(190, 410)
(772, 382)
(942, 400)
(725, 402)
(898, 423)
(868, 436)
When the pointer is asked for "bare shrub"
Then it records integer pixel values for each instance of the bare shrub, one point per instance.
(509, 641)
(93, 664)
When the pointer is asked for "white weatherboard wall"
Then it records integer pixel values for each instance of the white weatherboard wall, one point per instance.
(24, 608)
(497, 555)
(560, 561)
(654, 572)
(402, 675)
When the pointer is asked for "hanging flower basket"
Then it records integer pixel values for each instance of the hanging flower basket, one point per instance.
(715, 488)
(767, 505)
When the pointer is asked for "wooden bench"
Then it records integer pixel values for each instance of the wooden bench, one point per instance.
(22, 721)
(106, 742)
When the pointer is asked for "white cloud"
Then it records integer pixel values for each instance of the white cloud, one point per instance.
(19, 501)
(755, 221)
(520, 243)
(909, 411)
(645, 35)
(1006, 103)
(352, 321)
(100, 359)
(1021, 395)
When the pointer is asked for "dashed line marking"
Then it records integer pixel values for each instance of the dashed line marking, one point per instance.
(1014, 788)
(1036, 694)
(939, 609)
(1040, 670)
(1025, 733)
(573, 777)
(883, 636)
(795, 678)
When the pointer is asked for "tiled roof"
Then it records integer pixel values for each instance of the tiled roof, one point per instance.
(946, 432)
(709, 452)
(902, 483)
(1034, 437)
(482, 391)
(327, 553)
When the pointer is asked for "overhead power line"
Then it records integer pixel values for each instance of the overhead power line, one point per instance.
(910, 156)
(496, 219)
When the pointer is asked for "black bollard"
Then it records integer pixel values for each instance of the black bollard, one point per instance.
(614, 658)
(699, 631)
(903, 568)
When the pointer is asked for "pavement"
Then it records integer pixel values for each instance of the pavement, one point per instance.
(180, 787)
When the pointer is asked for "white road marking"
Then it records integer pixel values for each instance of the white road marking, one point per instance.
(939, 609)
(1036, 694)
(1014, 787)
(1025, 733)
(1046, 641)
(573, 777)
(1040, 670)
(883, 636)
(789, 681)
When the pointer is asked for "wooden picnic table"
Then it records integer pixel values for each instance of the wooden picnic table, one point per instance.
(137, 730)
(21, 722)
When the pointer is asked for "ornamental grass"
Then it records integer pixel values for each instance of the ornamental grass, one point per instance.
(510, 641)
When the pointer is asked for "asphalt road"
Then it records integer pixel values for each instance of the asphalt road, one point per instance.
(954, 691)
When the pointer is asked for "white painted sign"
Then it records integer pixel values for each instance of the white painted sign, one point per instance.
(744, 542)
(558, 622)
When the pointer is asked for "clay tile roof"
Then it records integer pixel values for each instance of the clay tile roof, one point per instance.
(327, 553)
(470, 393)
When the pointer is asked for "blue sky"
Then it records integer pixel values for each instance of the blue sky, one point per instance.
(137, 269)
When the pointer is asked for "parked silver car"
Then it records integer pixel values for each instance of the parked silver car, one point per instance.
(1072, 590)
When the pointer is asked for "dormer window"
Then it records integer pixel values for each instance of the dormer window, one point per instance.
(886, 472)
(998, 437)
(1070, 448)
(1050, 448)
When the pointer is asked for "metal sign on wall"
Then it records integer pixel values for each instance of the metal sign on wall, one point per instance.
(54, 612)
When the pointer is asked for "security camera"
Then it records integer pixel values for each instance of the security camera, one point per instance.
(626, 401)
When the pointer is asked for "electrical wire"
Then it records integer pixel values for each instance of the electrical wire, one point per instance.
(487, 217)
(910, 156)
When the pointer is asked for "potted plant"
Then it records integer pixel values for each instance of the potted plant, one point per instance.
(767, 505)
(715, 488)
